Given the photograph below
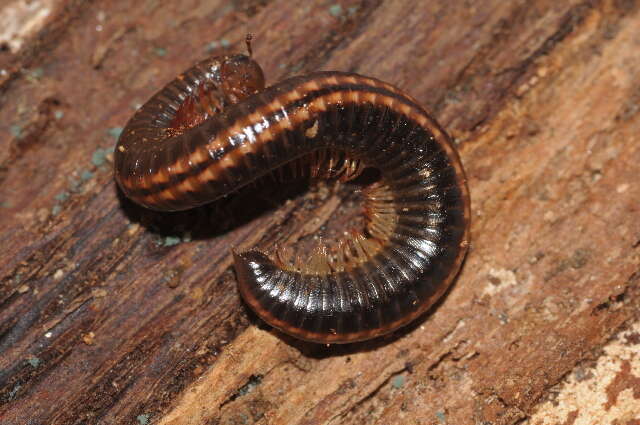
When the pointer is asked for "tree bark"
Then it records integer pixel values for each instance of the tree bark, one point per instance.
(110, 313)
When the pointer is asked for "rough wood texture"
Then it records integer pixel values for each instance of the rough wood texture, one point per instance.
(113, 314)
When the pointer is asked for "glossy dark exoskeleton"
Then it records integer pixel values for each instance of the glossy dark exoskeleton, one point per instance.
(215, 129)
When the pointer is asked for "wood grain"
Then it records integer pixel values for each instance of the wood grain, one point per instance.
(113, 314)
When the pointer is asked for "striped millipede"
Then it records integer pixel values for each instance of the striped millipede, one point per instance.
(216, 128)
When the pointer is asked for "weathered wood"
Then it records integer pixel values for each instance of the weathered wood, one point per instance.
(113, 314)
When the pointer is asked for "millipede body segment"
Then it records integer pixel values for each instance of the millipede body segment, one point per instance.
(215, 128)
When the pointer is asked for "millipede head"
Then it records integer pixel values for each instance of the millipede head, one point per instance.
(241, 76)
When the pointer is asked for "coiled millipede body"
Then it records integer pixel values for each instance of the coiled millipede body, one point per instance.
(215, 128)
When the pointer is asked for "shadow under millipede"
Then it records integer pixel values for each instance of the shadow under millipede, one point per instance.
(264, 196)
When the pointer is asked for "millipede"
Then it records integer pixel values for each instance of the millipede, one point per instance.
(216, 128)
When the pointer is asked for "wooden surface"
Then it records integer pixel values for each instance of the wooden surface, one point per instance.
(113, 314)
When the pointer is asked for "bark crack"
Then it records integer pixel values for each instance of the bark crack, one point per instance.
(371, 394)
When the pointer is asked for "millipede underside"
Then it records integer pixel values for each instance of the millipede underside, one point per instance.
(356, 245)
